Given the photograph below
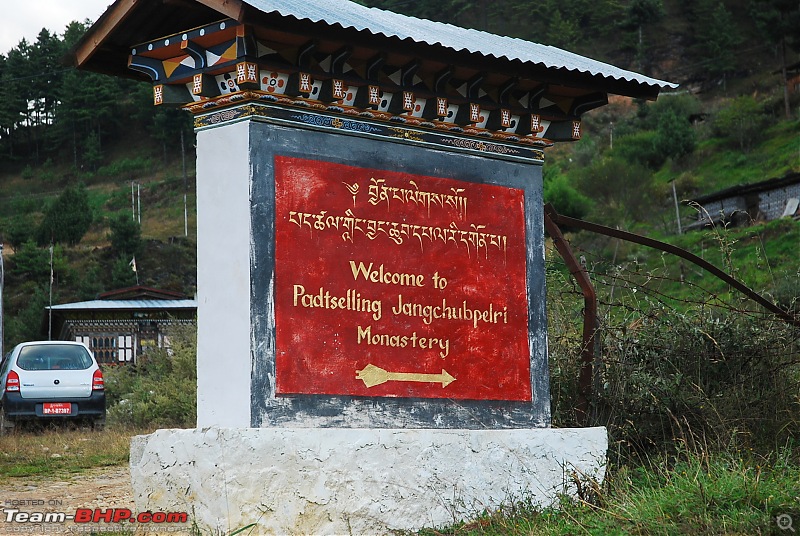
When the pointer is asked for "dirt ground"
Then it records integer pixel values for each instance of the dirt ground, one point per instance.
(107, 488)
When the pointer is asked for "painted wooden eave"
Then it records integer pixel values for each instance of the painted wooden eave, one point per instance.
(107, 45)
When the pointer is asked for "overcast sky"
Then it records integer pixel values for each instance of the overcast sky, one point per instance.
(26, 18)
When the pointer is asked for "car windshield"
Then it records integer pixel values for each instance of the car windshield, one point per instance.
(54, 357)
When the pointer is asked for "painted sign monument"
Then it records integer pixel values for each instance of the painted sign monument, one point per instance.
(372, 344)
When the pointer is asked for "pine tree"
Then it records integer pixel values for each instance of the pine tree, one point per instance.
(779, 21)
(67, 219)
(717, 37)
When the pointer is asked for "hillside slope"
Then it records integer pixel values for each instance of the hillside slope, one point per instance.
(725, 125)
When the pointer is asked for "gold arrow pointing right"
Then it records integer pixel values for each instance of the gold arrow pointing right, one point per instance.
(372, 376)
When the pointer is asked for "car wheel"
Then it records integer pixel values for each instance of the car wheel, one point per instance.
(98, 425)
(6, 424)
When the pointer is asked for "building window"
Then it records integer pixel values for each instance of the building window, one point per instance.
(110, 348)
(126, 350)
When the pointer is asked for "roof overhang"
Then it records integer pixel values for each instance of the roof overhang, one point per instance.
(168, 41)
(127, 23)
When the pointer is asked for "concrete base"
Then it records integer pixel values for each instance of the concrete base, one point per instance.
(355, 481)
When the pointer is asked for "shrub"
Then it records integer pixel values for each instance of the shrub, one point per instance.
(22, 204)
(675, 137)
(565, 198)
(127, 168)
(31, 261)
(709, 376)
(160, 389)
(720, 377)
(681, 106)
(638, 148)
(786, 294)
(621, 190)
(741, 121)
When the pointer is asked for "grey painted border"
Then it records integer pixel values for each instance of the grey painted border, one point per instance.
(268, 140)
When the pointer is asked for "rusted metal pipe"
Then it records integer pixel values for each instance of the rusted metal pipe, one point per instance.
(589, 314)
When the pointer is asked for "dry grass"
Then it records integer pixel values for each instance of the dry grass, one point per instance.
(54, 452)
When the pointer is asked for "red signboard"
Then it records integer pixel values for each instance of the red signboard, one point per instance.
(392, 284)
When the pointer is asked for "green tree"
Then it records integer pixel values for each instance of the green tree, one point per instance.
(126, 236)
(660, 131)
(562, 32)
(675, 137)
(717, 37)
(31, 262)
(638, 148)
(571, 24)
(91, 105)
(26, 324)
(682, 106)
(90, 282)
(442, 10)
(67, 219)
(638, 14)
(741, 121)
(92, 153)
(168, 123)
(779, 22)
(14, 96)
(46, 55)
(20, 230)
(622, 190)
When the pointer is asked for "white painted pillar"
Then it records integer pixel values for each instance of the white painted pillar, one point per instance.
(223, 276)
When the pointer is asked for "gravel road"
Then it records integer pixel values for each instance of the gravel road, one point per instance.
(99, 488)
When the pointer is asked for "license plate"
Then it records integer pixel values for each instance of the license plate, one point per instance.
(57, 408)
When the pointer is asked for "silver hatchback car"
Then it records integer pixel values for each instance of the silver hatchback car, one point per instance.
(51, 380)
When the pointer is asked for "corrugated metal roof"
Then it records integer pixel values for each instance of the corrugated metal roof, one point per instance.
(380, 22)
(127, 304)
(754, 187)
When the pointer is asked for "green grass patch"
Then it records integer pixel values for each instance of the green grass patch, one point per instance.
(718, 164)
(726, 493)
(764, 257)
(127, 168)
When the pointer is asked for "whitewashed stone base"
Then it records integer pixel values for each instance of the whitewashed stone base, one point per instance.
(355, 481)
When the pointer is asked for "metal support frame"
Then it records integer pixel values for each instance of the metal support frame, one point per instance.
(551, 218)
